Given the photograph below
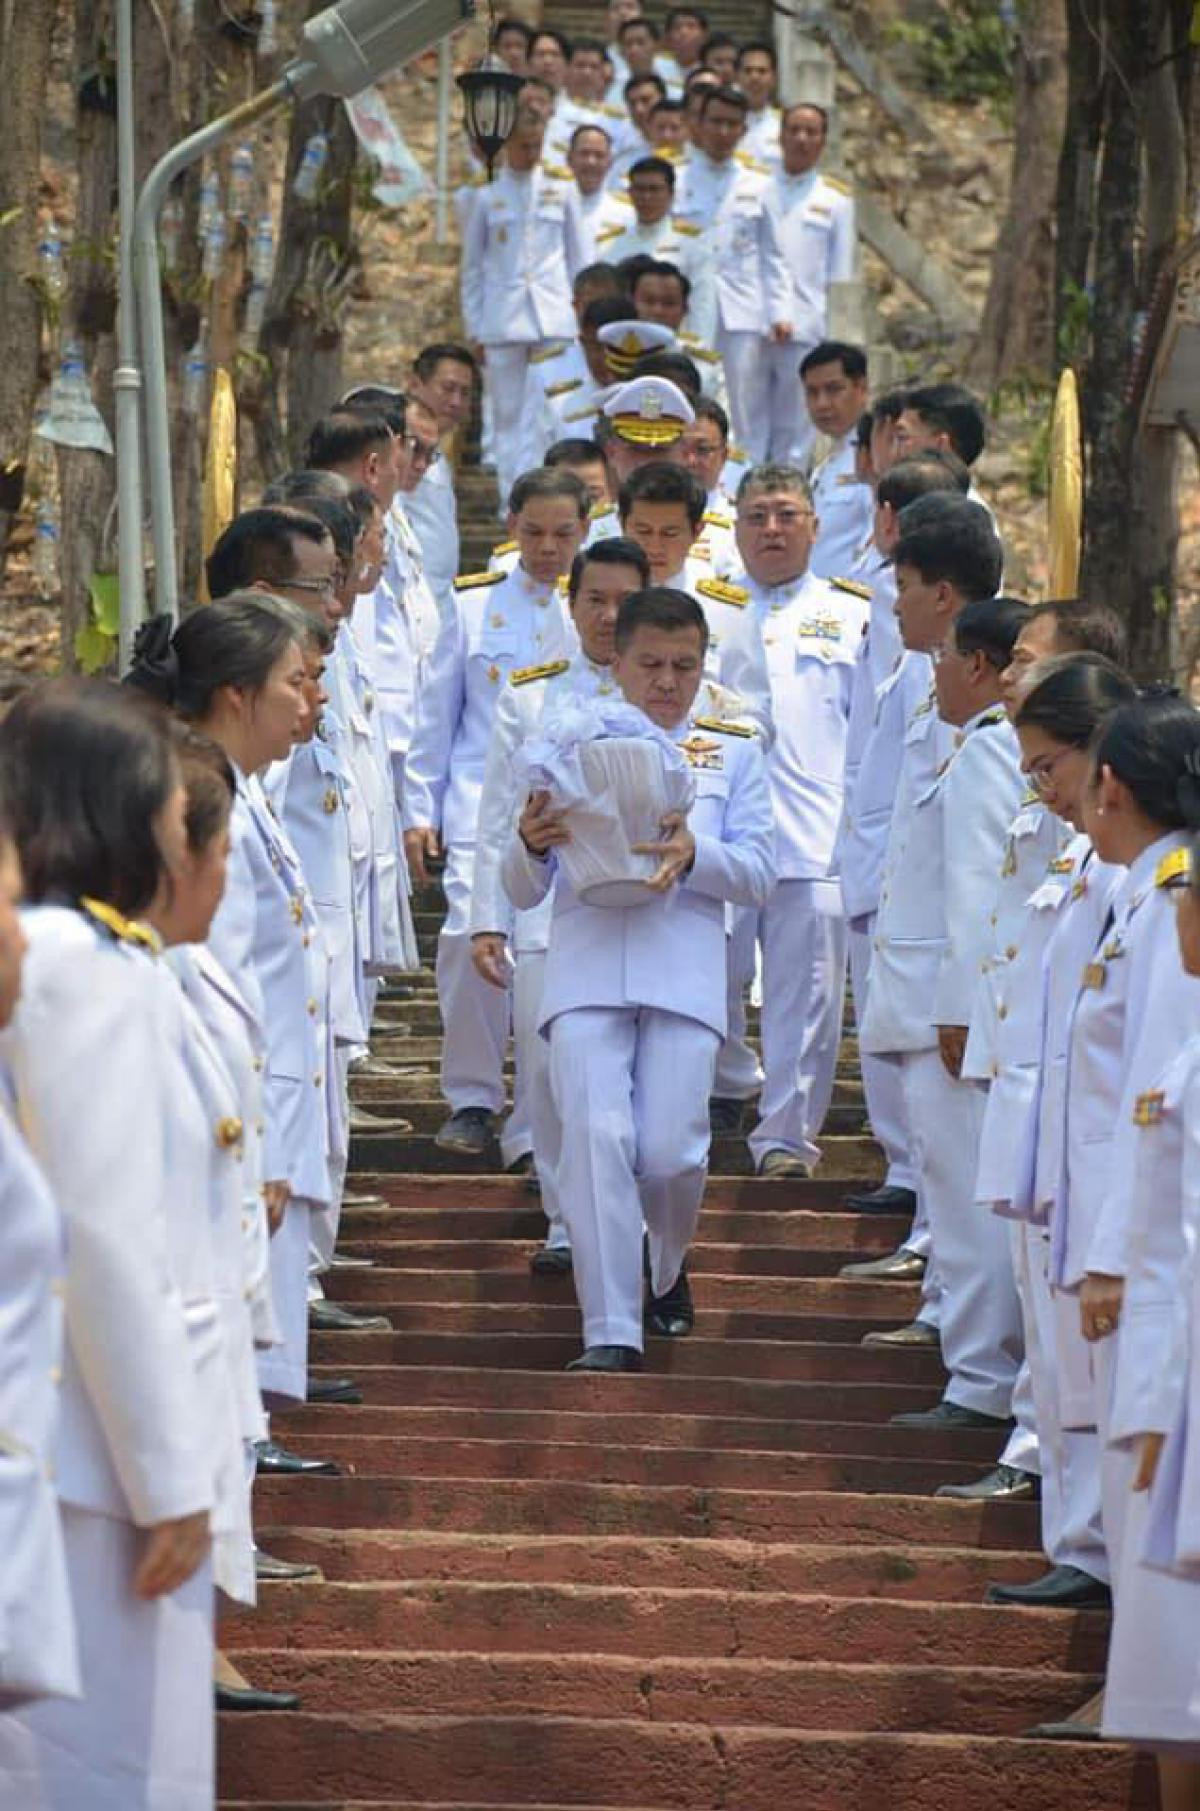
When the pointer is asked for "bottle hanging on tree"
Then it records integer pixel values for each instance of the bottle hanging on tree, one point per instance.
(312, 164)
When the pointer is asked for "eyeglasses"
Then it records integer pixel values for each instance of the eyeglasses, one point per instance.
(326, 587)
(423, 452)
(785, 518)
(1041, 772)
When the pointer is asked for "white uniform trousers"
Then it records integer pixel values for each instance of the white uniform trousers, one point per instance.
(1022, 1448)
(475, 1015)
(980, 1316)
(141, 1738)
(283, 1369)
(632, 1086)
(533, 1123)
(745, 359)
(1117, 1463)
(804, 989)
(504, 370)
(323, 1230)
(791, 436)
(881, 1074)
(739, 1073)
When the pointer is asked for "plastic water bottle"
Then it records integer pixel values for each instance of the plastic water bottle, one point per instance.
(262, 250)
(210, 202)
(241, 182)
(255, 315)
(51, 267)
(45, 548)
(214, 249)
(170, 232)
(312, 163)
(71, 385)
(268, 29)
(195, 380)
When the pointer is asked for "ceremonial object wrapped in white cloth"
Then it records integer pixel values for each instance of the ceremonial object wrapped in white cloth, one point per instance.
(616, 775)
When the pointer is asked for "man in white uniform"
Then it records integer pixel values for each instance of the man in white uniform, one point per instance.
(757, 77)
(815, 224)
(633, 1004)
(522, 246)
(944, 418)
(644, 424)
(500, 622)
(652, 231)
(834, 376)
(685, 31)
(507, 947)
(443, 379)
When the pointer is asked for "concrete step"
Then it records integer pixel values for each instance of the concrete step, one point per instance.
(852, 1158)
(827, 1295)
(539, 1319)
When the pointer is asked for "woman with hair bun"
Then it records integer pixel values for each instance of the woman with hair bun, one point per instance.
(97, 816)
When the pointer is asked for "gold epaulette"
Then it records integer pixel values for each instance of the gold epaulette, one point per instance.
(593, 408)
(549, 669)
(611, 111)
(564, 386)
(1172, 866)
(835, 182)
(556, 173)
(854, 588)
(503, 548)
(737, 455)
(704, 355)
(123, 929)
(1062, 864)
(478, 181)
(724, 726)
(555, 349)
(686, 228)
(474, 581)
(599, 510)
(1031, 796)
(723, 592)
(750, 162)
(715, 519)
(609, 232)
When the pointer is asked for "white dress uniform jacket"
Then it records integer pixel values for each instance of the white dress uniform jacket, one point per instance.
(815, 226)
(870, 802)
(522, 249)
(744, 282)
(845, 509)
(432, 511)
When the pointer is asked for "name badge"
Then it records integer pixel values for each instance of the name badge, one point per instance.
(1095, 975)
(1149, 1109)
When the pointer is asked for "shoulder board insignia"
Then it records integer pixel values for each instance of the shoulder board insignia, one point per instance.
(721, 726)
(836, 182)
(581, 414)
(554, 350)
(608, 233)
(687, 338)
(704, 355)
(122, 928)
(1149, 1109)
(853, 587)
(738, 455)
(564, 387)
(992, 719)
(598, 511)
(1062, 864)
(503, 548)
(687, 228)
(723, 592)
(549, 669)
(816, 208)
(556, 173)
(1174, 866)
(715, 519)
(474, 581)
(477, 181)
(923, 709)
(610, 111)
(1031, 796)
(750, 162)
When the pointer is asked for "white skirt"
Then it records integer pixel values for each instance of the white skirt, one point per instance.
(142, 1737)
(1152, 1693)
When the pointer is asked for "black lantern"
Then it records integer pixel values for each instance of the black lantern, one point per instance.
(490, 99)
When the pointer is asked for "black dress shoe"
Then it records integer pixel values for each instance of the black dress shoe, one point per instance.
(342, 1260)
(249, 1697)
(1062, 1588)
(949, 1415)
(331, 1317)
(897, 1267)
(352, 1198)
(526, 1168)
(269, 1570)
(1003, 1484)
(916, 1333)
(672, 1315)
(726, 1116)
(364, 1124)
(333, 1389)
(274, 1461)
(552, 1261)
(469, 1131)
(883, 1200)
(607, 1358)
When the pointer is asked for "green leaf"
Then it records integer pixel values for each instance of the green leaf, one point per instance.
(10, 215)
(105, 592)
(94, 650)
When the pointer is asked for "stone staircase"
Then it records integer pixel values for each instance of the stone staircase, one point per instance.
(723, 1583)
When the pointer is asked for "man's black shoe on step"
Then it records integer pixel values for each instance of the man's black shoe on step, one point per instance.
(1003, 1484)
(607, 1358)
(883, 1200)
(726, 1116)
(269, 1570)
(332, 1317)
(250, 1697)
(333, 1389)
(552, 1261)
(672, 1315)
(1062, 1588)
(469, 1131)
(274, 1461)
(948, 1415)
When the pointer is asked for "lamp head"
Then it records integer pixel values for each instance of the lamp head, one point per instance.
(490, 93)
(348, 46)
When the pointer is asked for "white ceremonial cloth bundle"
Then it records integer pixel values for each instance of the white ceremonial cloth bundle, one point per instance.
(616, 775)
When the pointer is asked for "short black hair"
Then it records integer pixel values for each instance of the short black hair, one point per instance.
(430, 357)
(377, 399)
(589, 125)
(951, 410)
(666, 105)
(572, 453)
(84, 775)
(299, 486)
(728, 97)
(653, 166)
(1152, 744)
(990, 627)
(508, 25)
(546, 31)
(557, 481)
(593, 46)
(605, 311)
(613, 550)
(921, 474)
(852, 359)
(676, 367)
(763, 48)
(258, 548)
(659, 267)
(1081, 627)
(627, 25)
(707, 408)
(686, 12)
(891, 405)
(346, 436)
(339, 518)
(717, 40)
(660, 607)
(958, 547)
(806, 107)
(606, 276)
(659, 482)
(1073, 695)
(862, 431)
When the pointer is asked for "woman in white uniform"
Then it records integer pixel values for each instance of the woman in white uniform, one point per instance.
(97, 815)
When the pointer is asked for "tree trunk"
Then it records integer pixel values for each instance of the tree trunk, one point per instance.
(1076, 201)
(1016, 337)
(26, 27)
